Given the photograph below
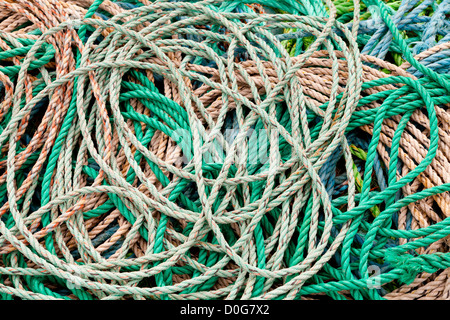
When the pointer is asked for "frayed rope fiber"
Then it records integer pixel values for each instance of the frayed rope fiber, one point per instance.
(224, 149)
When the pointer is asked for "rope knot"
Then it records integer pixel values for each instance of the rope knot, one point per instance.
(409, 264)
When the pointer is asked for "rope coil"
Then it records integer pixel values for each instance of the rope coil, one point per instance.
(192, 150)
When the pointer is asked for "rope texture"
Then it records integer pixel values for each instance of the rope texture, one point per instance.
(224, 150)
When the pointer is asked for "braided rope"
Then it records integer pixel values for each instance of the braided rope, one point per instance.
(177, 150)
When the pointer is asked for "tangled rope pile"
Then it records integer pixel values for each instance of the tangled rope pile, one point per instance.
(196, 150)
